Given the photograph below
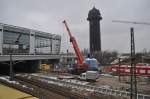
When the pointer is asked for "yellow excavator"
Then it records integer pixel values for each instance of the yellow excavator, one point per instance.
(45, 67)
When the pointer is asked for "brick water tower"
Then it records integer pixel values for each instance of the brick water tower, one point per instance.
(94, 18)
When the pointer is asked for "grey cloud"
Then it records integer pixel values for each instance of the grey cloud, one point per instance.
(47, 15)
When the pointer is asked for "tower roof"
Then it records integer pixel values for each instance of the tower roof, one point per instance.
(94, 14)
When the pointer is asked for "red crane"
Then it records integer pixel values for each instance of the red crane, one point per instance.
(81, 66)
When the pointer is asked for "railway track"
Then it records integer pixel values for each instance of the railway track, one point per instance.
(31, 89)
(63, 88)
(42, 86)
(67, 92)
(42, 90)
(66, 87)
(94, 89)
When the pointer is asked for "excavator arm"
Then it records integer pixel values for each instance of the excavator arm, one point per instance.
(18, 38)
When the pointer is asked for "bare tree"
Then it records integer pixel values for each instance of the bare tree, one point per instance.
(105, 57)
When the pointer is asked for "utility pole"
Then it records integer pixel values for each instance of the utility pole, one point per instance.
(11, 60)
(119, 69)
(133, 64)
(133, 67)
(67, 57)
(11, 66)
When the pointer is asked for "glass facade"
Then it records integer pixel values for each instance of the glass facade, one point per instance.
(46, 43)
(9, 42)
(43, 45)
(42, 42)
(56, 45)
(19, 41)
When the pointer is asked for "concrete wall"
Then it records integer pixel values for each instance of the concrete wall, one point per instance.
(28, 57)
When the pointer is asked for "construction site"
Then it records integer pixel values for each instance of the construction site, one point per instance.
(32, 65)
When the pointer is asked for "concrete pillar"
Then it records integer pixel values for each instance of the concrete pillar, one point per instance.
(32, 42)
(39, 64)
(1, 39)
(35, 65)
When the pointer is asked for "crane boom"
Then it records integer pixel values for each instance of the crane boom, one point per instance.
(75, 45)
(132, 22)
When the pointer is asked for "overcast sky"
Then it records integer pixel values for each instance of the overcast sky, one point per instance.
(47, 16)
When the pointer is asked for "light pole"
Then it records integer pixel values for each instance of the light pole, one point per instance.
(142, 59)
(10, 53)
(11, 72)
(119, 68)
(11, 68)
(67, 57)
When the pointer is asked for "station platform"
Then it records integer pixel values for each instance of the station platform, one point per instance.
(11, 93)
